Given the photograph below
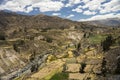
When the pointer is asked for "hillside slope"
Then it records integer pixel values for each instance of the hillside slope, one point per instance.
(38, 21)
(33, 45)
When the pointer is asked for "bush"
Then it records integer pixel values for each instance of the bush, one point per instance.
(15, 47)
(34, 68)
(107, 43)
(17, 44)
(2, 37)
(78, 46)
(83, 65)
(49, 40)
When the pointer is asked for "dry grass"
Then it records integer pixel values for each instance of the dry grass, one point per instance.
(48, 71)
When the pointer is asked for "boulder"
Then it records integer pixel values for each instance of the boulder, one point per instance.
(39, 37)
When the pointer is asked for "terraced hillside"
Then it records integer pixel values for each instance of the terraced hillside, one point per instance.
(50, 48)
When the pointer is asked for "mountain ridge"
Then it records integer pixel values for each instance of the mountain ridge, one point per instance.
(109, 22)
(11, 23)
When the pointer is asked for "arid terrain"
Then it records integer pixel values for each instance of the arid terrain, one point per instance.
(44, 47)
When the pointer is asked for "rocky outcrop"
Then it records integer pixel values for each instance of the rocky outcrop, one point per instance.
(113, 60)
(10, 61)
(75, 35)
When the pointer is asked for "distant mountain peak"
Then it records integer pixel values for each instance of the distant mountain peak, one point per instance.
(111, 22)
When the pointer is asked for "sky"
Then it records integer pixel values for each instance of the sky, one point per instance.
(77, 10)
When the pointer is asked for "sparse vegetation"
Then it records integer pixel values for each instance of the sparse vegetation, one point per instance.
(46, 43)
(60, 76)
(96, 38)
(17, 44)
(49, 40)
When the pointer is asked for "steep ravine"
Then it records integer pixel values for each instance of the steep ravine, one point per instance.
(27, 68)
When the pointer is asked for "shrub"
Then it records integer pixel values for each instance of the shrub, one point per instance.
(49, 40)
(107, 43)
(17, 44)
(34, 68)
(2, 37)
(15, 47)
(83, 65)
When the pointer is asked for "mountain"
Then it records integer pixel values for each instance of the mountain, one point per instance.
(111, 22)
(14, 25)
(42, 21)
(13, 20)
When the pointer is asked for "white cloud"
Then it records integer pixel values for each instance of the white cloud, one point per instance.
(70, 16)
(99, 6)
(14, 5)
(85, 1)
(93, 4)
(112, 6)
(72, 2)
(78, 9)
(28, 5)
(56, 14)
(29, 9)
(100, 17)
(49, 6)
(89, 12)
